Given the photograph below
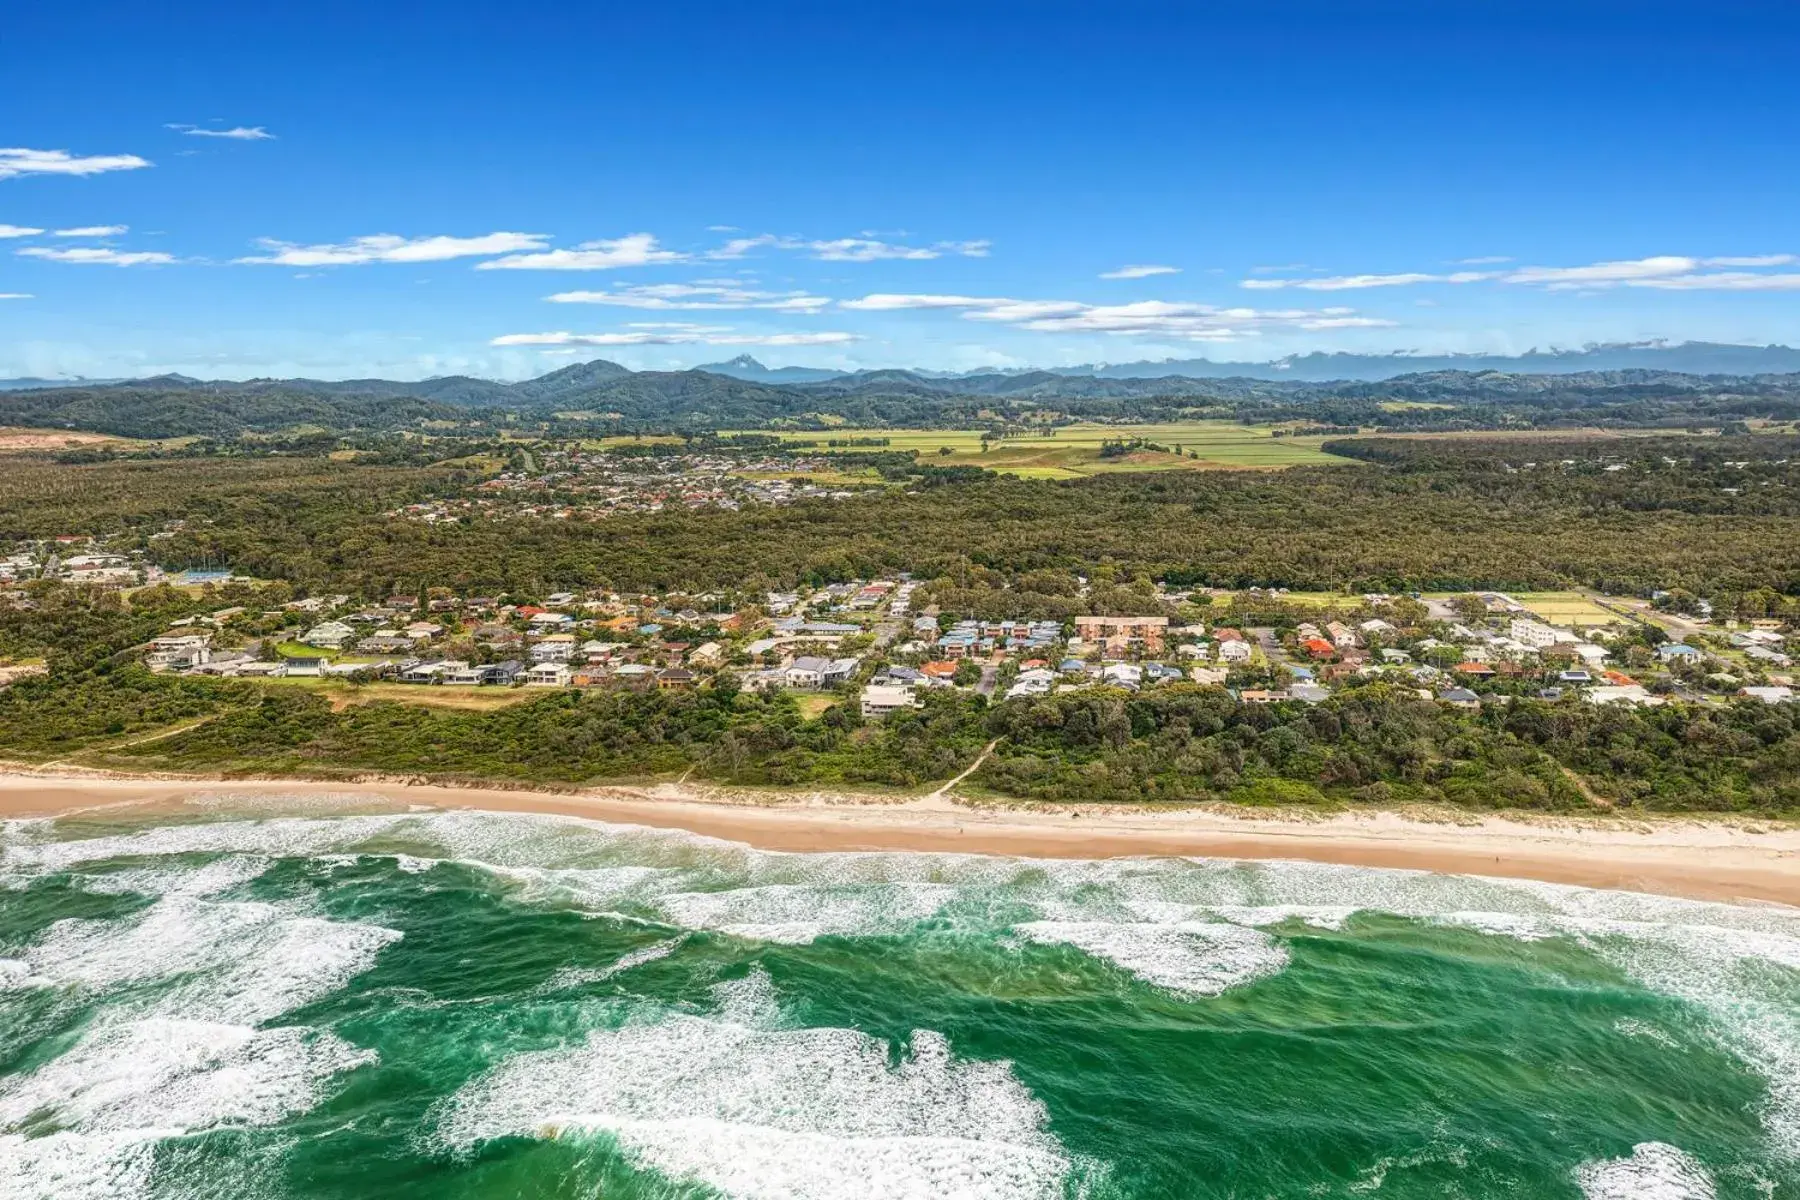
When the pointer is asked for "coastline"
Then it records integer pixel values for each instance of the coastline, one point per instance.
(1724, 858)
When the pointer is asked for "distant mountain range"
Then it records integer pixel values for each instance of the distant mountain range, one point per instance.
(1688, 358)
(1643, 383)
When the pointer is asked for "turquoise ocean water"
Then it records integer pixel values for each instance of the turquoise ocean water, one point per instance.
(269, 996)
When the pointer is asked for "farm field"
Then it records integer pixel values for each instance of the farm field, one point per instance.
(1073, 451)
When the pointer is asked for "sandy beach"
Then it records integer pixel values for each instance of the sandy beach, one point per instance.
(1716, 859)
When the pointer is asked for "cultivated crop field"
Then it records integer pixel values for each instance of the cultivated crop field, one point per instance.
(1073, 451)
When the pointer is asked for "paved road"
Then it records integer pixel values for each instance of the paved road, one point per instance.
(990, 675)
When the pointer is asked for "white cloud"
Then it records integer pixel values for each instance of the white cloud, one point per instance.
(1139, 271)
(1723, 281)
(18, 231)
(871, 250)
(1340, 283)
(888, 301)
(239, 133)
(1604, 273)
(1485, 260)
(1666, 271)
(391, 248)
(696, 296)
(15, 295)
(91, 231)
(849, 249)
(673, 334)
(632, 250)
(98, 256)
(20, 161)
(1755, 260)
(1144, 318)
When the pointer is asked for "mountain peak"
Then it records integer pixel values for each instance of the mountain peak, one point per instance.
(745, 362)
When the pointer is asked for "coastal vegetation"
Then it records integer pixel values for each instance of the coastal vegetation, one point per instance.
(1697, 518)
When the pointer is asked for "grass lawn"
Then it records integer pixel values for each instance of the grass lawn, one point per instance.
(342, 694)
(1565, 608)
(812, 706)
(1073, 451)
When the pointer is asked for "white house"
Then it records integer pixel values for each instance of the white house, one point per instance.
(1768, 695)
(329, 635)
(1234, 652)
(807, 671)
(881, 699)
(547, 674)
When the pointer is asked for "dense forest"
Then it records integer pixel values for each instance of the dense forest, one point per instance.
(605, 397)
(1713, 516)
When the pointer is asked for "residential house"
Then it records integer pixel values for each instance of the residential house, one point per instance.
(1235, 652)
(177, 652)
(675, 679)
(1634, 695)
(1035, 682)
(1537, 634)
(883, 699)
(1460, 698)
(838, 671)
(548, 674)
(1768, 695)
(1121, 632)
(1124, 675)
(1209, 676)
(556, 648)
(807, 671)
(1308, 693)
(1319, 649)
(328, 635)
(1262, 696)
(431, 672)
(500, 674)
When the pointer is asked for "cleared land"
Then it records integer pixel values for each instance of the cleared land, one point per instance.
(1073, 451)
(14, 438)
(342, 694)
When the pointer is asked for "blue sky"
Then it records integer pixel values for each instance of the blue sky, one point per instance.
(418, 190)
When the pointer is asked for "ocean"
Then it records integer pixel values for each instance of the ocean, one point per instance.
(282, 996)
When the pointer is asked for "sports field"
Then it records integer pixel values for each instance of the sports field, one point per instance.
(1073, 451)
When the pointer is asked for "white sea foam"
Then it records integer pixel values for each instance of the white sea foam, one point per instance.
(1319, 916)
(123, 1087)
(795, 1114)
(1735, 963)
(799, 913)
(242, 962)
(76, 1166)
(1195, 958)
(571, 977)
(1632, 1027)
(1655, 1171)
(208, 879)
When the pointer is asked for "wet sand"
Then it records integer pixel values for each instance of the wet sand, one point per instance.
(1715, 859)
